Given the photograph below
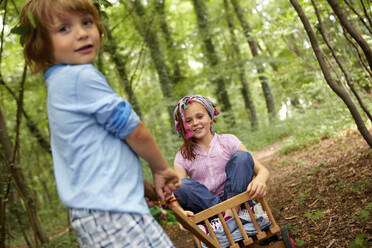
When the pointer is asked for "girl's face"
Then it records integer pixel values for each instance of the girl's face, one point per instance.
(199, 121)
(75, 39)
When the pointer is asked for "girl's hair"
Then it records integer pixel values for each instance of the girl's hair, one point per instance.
(37, 17)
(187, 148)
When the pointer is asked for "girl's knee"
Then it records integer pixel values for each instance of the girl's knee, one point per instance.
(242, 160)
(187, 185)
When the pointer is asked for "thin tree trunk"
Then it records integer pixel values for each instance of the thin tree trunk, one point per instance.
(5, 179)
(366, 13)
(174, 56)
(260, 68)
(348, 81)
(112, 48)
(359, 16)
(351, 30)
(338, 90)
(157, 56)
(31, 125)
(247, 96)
(211, 54)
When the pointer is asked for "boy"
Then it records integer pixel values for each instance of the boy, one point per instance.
(95, 134)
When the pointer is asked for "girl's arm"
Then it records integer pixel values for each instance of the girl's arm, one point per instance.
(180, 171)
(257, 187)
(142, 143)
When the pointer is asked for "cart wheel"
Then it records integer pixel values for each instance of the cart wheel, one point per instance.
(287, 238)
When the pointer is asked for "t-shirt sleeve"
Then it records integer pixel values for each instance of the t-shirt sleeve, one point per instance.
(95, 97)
(231, 142)
(180, 161)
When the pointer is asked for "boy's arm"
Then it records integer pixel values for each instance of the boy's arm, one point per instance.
(142, 143)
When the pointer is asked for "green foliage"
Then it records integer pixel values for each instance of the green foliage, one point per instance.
(315, 216)
(163, 216)
(63, 241)
(302, 197)
(361, 241)
(300, 242)
(364, 214)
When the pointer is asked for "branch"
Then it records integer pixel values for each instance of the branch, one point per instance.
(359, 55)
(19, 112)
(31, 125)
(365, 12)
(359, 16)
(349, 83)
(328, 77)
(347, 25)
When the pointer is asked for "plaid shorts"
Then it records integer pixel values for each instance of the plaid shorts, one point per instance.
(96, 228)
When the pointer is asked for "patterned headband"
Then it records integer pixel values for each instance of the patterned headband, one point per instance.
(182, 106)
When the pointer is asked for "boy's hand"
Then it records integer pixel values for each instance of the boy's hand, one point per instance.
(165, 181)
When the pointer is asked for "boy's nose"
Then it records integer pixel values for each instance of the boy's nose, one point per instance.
(81, 33)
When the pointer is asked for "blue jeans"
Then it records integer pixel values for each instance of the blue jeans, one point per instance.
(196, 197)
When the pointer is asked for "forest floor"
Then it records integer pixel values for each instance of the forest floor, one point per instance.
(322, 193)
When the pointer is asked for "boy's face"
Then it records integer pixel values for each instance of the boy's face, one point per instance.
(75, 39)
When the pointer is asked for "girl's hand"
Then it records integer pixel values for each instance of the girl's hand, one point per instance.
(256, 189)
(188, 214)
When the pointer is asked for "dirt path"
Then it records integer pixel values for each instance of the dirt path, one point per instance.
(323, 193)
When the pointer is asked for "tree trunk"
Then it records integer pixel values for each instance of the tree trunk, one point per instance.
(338, 90)
(202, 20)
(342, 68)
(16, 173)
(248, 102)
(112, 48)
(157, 56)
(174, 56)
(260, 68)
(351, 30)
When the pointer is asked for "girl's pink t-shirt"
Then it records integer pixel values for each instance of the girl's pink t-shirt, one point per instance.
(208, 168)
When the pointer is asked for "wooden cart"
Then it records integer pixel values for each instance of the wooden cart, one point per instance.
(273, 237)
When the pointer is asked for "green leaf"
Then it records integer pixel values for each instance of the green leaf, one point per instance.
(20, 30)
(31, 18)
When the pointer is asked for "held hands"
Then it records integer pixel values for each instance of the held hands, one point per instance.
(257, 188)
(165, 181)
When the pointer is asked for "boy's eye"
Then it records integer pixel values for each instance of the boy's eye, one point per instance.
(87, 22)
(188, 120)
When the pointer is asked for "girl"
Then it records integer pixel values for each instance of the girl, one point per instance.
(95, 134)
(213, 167)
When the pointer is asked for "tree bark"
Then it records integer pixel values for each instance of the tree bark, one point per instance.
(211, 54)
(247, 96)
(352, 31)
(112, 48)
(174, 56)
(359, 16)
(157, 56)
(338, 90)
(270, 104)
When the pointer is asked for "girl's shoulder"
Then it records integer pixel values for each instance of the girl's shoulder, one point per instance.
(227, 137)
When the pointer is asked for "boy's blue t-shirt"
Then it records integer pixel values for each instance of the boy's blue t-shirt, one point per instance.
(94, 168)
